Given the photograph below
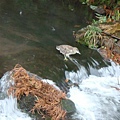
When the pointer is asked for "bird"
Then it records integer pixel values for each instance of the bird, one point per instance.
(67, 50)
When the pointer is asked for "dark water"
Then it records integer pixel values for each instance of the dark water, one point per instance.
(30, 40)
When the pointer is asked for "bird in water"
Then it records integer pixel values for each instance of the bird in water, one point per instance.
(67, 50)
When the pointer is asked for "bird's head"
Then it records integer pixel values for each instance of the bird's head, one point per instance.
(76, 50)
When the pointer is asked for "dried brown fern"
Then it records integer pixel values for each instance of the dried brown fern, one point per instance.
(48, 97)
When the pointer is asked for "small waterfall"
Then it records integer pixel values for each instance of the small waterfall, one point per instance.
(79, 75)
(9, 110)
(75, 62)
(8, 105)
(99, 97)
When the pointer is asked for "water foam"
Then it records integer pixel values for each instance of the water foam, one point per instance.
(8, 105)
(99, 98)
(9, 110)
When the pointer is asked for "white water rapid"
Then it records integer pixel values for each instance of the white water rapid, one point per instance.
(98, 99)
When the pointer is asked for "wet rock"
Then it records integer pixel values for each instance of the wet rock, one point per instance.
(100, 10)
(26, 103)
(69, 106)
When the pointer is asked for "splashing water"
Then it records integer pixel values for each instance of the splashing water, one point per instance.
(99, 98)
(79, 76)
(100, 95)
(9, 110)
(8, 105)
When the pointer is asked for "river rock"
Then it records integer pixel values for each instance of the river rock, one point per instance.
(98, 9)
(26, 103)
(69, 106)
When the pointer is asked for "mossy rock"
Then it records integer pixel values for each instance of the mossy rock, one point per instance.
(69, 106)
(26, 103)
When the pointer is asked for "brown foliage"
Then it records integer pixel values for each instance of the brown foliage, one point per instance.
(109, 54)
(47, 96)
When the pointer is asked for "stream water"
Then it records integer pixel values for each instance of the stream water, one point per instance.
(29, 33)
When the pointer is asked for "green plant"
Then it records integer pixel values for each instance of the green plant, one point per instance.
(116, 16)
(92, 35)
(101, 18)
(110, 3)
